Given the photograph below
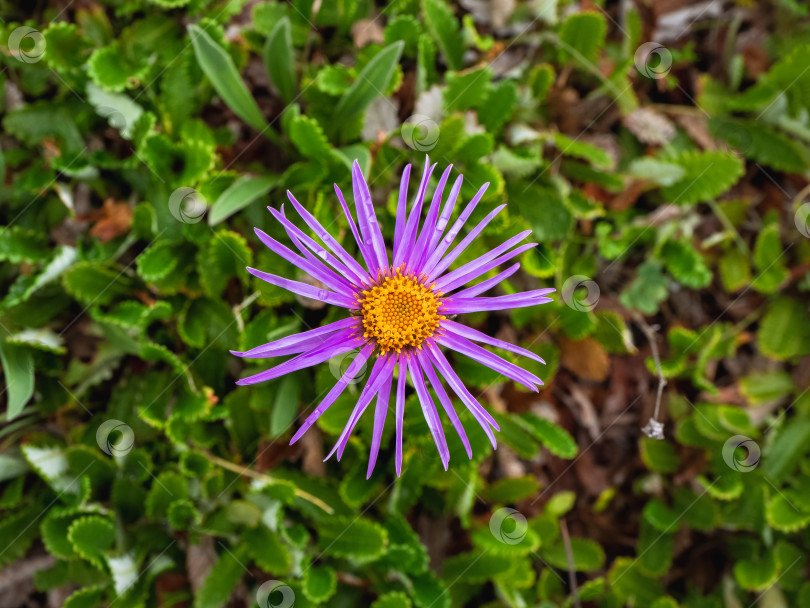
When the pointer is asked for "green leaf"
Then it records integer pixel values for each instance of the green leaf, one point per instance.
(556, 439)
(782, 513)
(768, 256)
(392, 599)
(88, 597)
(18, 375)
(120, 111)
(758, 572)
(308, 136)
(157, 261)
(474, 567)
(685, 263)
(587, 555)
(222, 578)
(784, 332)
(94, 283)
(23, 245)
(630, 584)
(787, 450)
(468, 89)
(582, 36)
(659, 455)
(92, 537)
(360, 539)
(647, 291)
(220, 69)
(444, 27)
(735, 272)
(511, 489)
(319, 583)
(279, 59)
(761, 143)
(762, 387)
(111, 70)
(239, 195)
(372, 80)
(265, 547)
(285, 405)
(706, 176)
(226, 256)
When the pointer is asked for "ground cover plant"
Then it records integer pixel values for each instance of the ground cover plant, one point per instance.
(658, 151)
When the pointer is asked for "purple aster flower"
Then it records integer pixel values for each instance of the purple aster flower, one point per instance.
(400, 309)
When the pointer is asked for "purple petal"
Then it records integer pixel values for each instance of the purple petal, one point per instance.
(488, 284)
(308, 291)
(455, 305)
(295, 233)
(380, 412)
(383, 369)
(481, 415)
(491, 360)
(367, 218)
(400, 409)
(312, 266)
(409, 234)
(298, 343)
(447, 212)
(351, 371)
(402, 206)
(462, 331)
(440, 266)
(429, 410)
(415, 258)
(470, 270)
(328, 240)
(445, 243)
(365, 251)
(424, 361)
(480, 267)
(336, 344)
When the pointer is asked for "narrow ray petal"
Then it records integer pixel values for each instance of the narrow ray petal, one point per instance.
(462, 331)
(483, 286)
(429, 410)
(481, 267)
(308, 291)
(447, 240)
(367, 219)
(327, 239)
(443, 264)
(311, 266)
(365, 250)
(383, 368)
(400, 409)
(483, 417)
(427, 367)
(444, 218)
(491, 360)
(402, 206)
(336, 344)
(358, 275)
(415, 257)
(380, 411)
(297, 343)
(456, 305)
(409, 234)
(354, 367)
(468, 271)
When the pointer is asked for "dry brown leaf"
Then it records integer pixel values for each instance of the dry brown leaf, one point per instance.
(113, 220)
(586, 358)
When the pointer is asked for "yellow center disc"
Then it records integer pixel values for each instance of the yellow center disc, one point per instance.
(399, 312)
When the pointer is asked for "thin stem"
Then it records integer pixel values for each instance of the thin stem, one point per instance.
(569, 557)
(248, 472)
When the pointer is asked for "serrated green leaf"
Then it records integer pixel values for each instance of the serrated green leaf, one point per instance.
(94, 283)
(360, 539)
(475, 567)
(706, 176)
(768, 256)
(18, 375)
(647, 291)
(735, 272)
(659, 456)
(511, 489)
(266, 548)
(587, 555)
(227, 255)
(157, 261)
(783, 514)
(319, 584)
(23, 245)
(222, 578)
(556, 439)
(92, 537)
(685, 263)
(582, 35)
(784, 332)
(392, 599)
(308, 136)
(758, 572)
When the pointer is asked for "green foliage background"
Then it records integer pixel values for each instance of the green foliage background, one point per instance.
(125, 310)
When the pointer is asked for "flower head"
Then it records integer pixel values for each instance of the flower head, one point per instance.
(400, 308)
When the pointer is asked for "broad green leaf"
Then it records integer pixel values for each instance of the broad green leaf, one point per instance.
(308, 136)
(92, 537)
(474, 567)
(784, 332)
(659, 456)
(279, 59)
(266, 548)
(372, 80)
(706, 176)
(222, 578)
(285, 406)
(588, 555)
(757, 572)
(787, 450)
(511, 489)
(556, 439)
(392, 599)
(157, 261)
(18, 375)
(357, 538)
(95, 283)
(239, 195)
(647, 291)
(582, 35)
(221, 71)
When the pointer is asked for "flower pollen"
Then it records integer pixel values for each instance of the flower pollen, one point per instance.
(400, 311)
